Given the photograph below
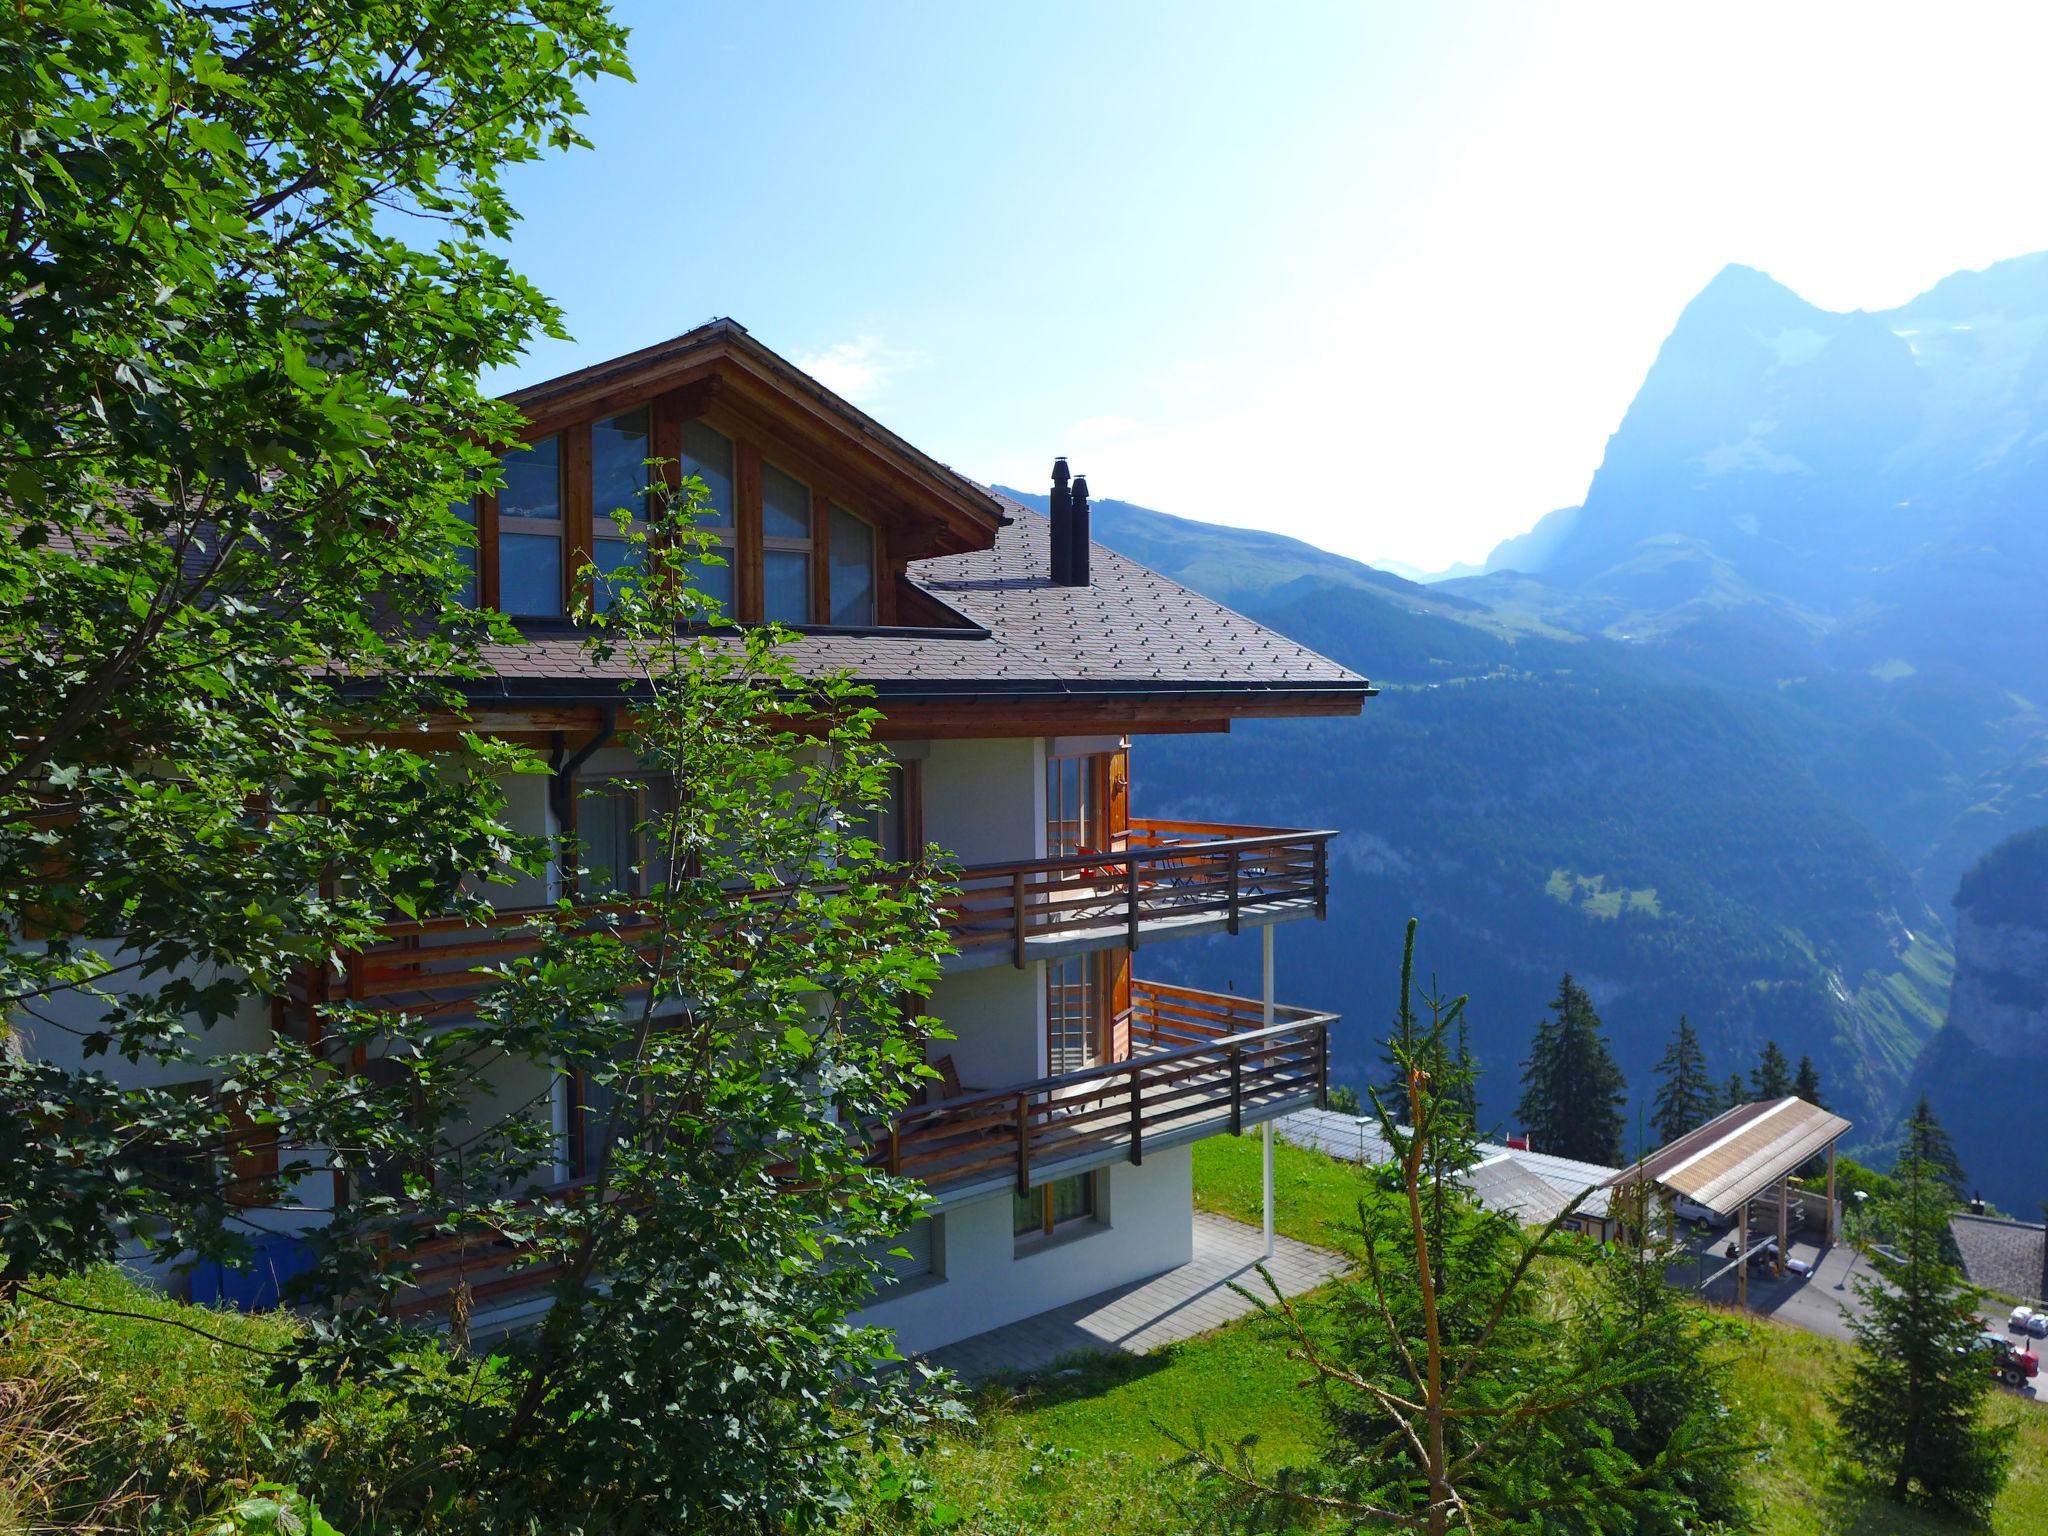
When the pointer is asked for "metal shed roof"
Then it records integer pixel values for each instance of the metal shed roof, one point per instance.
(1740, 1153)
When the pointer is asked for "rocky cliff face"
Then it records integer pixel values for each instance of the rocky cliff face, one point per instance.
(2000, 995)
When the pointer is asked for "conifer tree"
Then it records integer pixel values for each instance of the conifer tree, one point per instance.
(1571, 1088)
(1685, 1096)
(1772, 1078)
(1912, 1409)
(1462, 1392)
(1928, 1142)
(1735, 1093)
(1807, 1083)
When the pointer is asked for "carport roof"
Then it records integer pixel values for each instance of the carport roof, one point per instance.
(1739, 1154)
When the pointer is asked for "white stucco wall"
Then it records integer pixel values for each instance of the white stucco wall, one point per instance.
(1144, 1225)
(984, 801)
(997, 1017)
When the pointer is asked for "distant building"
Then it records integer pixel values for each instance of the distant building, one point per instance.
(2009, 1257)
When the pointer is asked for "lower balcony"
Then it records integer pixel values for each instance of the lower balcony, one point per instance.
(1201, 1064)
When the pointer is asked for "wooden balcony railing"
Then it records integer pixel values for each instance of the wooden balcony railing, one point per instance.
(1201, 1063)
(1168, 872)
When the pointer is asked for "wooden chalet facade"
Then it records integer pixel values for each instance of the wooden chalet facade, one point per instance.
(1015, 665)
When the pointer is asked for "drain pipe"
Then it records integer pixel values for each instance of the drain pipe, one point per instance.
(562, 776)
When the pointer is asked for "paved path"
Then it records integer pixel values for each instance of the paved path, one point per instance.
(1138, 1318)
(1823, 1302)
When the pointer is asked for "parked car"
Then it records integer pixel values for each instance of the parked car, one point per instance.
(1700, 1215)
(2030, 1320)
(2011, 1363)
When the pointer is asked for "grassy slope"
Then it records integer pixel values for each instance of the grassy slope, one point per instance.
(1088, 1451)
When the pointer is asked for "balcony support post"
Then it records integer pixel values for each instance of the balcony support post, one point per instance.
(1017, 919)
(1322, 878)
(1130, 902)
(1266, 959)
(1023, 1144)
(1236, 1090)
(1234, 886)
(1266, 1183)
(1137, 1116)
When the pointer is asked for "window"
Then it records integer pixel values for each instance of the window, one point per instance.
(530, 531)
(852, 569)
(1053, 1205)
(617, 855)
(893, 825)
(467, 553)
(619, 450)
(707, 454)
(785, 547)
(1073, 817)
(1074, 1013)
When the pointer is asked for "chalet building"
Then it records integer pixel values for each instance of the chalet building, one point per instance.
(1015, 663)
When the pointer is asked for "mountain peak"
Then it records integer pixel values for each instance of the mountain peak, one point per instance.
(1754, 295)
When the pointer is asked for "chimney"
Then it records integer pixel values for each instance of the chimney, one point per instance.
(1062, 514)
(1077, 535)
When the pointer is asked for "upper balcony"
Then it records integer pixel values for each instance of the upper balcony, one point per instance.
(1170, 879)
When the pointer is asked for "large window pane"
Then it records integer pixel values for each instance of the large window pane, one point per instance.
(610, 557)
(605, 820)
(618, 469)
(530, 531)
(467, 553)
(716, 582)
(530, 574)
(707, 454)
(852, 569)
(786, 587)
(785, 505)
(533, 481)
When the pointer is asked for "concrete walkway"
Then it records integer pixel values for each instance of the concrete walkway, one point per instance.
(1140, 1317)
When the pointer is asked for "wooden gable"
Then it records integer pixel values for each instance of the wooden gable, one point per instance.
(780, 423)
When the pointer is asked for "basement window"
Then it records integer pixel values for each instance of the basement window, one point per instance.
(1053, 1207)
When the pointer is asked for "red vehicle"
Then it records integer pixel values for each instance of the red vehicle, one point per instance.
(2011, 1363)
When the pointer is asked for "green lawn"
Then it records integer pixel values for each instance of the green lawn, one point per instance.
(1086, 1450)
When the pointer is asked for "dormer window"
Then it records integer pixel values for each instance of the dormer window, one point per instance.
(785, 547)
(530, 531)
(619, 450)
(707, 454)
(852, 560)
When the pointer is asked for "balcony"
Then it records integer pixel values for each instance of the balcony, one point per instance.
(1201, 1063)
(1171, 879)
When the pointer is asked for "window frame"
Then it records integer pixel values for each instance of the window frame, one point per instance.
(1049, 1225)
(603, 529)
(743, 545)
(562, 522)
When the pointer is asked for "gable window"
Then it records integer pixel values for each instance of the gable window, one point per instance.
(785, 547)
(852, 569)
(530, 531)
(468, 554)
(619, 450)
(707, 454)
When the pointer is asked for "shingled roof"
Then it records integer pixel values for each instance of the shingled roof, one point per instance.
(1130, 632)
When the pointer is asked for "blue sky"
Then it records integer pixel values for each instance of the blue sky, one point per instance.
(1381, 277)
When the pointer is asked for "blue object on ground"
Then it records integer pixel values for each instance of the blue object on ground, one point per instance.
(255, 1287)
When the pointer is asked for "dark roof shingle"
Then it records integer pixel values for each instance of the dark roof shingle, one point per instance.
(1130, 632)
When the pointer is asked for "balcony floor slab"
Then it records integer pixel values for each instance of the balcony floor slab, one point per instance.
(1193, 1298)
(1080, 938)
